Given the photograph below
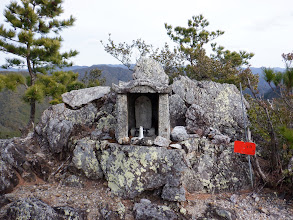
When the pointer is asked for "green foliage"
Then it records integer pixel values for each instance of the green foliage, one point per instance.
(2, 82)
(13, 80)
(171, 60)
(32, 36)
(93, 78)
(223, 66)
(55, 84)
(288, 79)
(14, 112)
(189, 56)
(34, 92)
(272, 120)
(269, 75)
(192, 39)
(287, 134)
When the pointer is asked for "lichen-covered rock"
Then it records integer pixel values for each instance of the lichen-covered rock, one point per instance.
(149, 69)
(77, 98)
(66, 212)
(35, 209)
(30, 208)
(212, 105)
(177, 111)
(215, 168)
(107, 125)
(57, 124)
(179, 133)
(85, 158)
(73, 181)
(131, 170)
(173, 193)
(146, 210)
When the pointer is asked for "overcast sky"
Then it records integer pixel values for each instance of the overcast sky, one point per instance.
(264, 27)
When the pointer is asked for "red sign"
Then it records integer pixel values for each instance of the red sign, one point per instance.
(244, 147)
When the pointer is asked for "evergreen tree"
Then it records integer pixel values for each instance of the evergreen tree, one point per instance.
(93, 78)
(31, 34)
(189, 56)
(223, 66)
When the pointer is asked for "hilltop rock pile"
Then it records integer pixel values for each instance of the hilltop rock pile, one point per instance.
(79, 134)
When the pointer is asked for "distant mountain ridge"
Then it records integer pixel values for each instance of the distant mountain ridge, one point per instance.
(113, 73)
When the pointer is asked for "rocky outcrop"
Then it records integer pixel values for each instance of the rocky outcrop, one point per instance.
(149, 69)
(8, 179)
(131, 170)
(85, 158)
(211, 105)
(146, 210)
(33, 208)
(205, 117)
(30, 209)
(77, 98)
(177, 111)
(59, 123)
(213, 167)
(19, 157)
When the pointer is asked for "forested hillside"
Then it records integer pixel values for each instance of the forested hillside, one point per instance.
(112, 74)
(14, 112)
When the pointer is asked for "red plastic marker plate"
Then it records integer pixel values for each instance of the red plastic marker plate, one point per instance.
(244, 147)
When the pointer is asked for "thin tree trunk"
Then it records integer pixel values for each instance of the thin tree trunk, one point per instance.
(274, 150)
(32, 113)
(31, 122)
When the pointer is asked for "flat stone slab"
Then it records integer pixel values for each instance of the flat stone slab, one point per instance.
(77, 98)
(143, 112)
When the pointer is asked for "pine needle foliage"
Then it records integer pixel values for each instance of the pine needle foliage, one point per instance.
(32, 35)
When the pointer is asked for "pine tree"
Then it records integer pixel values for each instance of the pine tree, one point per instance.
(223, 66)
(31, 34)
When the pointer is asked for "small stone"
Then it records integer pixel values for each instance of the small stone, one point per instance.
(72, 181)
(176, 146)
(263, 210)
(145, 201)
(135, 141)
(147, 142)
(234, 198)
(161, 141)
(124, 140)
(183, 211)
(28, 176)
(179, 133)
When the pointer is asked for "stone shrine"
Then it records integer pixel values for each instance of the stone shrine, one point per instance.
(143, 102)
